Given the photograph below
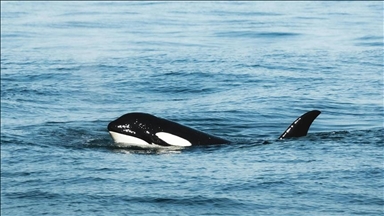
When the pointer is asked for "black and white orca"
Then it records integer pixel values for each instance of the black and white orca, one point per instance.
(146, 130)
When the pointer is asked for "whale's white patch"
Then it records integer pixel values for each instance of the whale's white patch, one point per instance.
(173, 139)
(130, 140)
(124, 140)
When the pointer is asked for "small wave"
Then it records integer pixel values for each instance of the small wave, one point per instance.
(34, 194)
(245, 13)
(369, 136)
(277, 34)
(185, 200)
(370, 41)
(252, 34)
(371, 44)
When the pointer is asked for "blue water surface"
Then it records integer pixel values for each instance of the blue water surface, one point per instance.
(242, 71)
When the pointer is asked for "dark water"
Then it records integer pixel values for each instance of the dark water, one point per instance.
(239, 70)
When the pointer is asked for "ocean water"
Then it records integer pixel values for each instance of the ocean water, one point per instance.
(242, 71)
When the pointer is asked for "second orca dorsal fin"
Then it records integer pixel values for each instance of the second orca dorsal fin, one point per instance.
(301, 125)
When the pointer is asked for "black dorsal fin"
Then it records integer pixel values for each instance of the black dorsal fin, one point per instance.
(301, 125)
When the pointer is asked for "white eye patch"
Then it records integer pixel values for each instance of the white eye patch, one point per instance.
(173, 139)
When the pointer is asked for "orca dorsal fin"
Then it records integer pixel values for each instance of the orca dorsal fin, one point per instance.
(301, 125)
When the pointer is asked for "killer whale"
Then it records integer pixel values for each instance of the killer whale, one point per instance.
(146, 130)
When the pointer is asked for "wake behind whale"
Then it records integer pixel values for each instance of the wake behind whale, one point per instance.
(146, 130)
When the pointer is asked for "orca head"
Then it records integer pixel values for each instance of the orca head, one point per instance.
(143, 130)
(128, 129)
